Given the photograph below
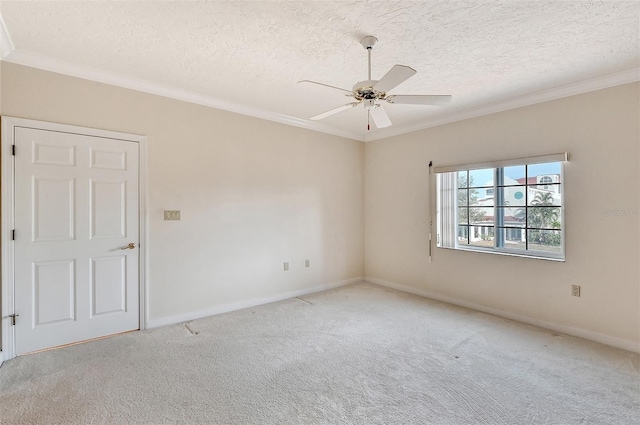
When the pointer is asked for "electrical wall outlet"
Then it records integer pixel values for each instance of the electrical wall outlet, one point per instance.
(286, 266)
(171, 215)
(306, 263)
(575, 290)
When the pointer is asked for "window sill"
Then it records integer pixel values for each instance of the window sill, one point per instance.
(508, 253)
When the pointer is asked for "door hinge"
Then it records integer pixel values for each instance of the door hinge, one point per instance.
(13, 319)
(13, 235)
(13, 150)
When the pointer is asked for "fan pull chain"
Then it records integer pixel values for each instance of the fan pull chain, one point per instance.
(368, 118)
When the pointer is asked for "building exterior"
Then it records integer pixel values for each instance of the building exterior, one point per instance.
(519, 197)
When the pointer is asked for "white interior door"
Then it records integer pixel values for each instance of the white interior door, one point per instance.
(76, 207)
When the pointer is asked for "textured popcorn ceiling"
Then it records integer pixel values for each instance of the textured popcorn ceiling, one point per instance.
(252, 53)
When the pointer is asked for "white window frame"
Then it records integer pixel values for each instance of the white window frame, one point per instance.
(440, 229)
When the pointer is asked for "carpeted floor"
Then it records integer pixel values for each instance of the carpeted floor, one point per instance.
(361, 354)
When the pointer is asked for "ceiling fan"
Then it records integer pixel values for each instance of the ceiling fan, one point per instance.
(368, 92)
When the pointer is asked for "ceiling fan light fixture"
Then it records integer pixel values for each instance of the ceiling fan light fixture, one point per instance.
(369, 103)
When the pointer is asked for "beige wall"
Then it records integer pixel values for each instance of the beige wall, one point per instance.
(253, 193)
(600, 130)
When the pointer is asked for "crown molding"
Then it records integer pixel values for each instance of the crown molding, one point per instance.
(571, 89)
(10, 54)
(6, 45)
(34, 60)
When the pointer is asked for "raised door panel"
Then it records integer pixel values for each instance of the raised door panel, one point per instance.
(54, 292)
(108, 160)
(108, 209)
(50, 154)
(108, 285)
(53, 209)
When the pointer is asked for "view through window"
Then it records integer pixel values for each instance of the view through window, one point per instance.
(517, 209)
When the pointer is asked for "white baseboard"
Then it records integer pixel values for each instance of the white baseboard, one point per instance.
(581, 333)
(225, 308)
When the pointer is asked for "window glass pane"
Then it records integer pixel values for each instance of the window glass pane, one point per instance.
(514, 237)
(541, 169)
(481, 178)
(537, 197)
(512, 196)
(545, 240)
(544, 217)
(512, 217)
(463, 235)
(539, 174)
(462, 179)
(481, 236)
(481, 216)
(462, 197)
(476, 198)
(483, 199)
(514, 175)
(463, 215)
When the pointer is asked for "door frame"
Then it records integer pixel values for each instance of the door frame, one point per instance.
(9, 124)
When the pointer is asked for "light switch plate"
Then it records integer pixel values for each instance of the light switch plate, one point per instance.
(171, 215)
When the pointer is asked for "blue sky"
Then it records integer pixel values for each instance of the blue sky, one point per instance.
(485, 177)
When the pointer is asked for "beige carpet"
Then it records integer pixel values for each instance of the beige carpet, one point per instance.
(356, 355)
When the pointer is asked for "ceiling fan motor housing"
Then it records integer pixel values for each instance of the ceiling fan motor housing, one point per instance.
(363, 90)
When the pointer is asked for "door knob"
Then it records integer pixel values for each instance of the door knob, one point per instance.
(130, 246)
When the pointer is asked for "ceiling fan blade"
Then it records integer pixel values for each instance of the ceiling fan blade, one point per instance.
(380, 117)
(348, 92)
(419, 99)
(395, 76)
(335, 111)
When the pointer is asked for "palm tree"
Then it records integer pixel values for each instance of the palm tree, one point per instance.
(543, 215)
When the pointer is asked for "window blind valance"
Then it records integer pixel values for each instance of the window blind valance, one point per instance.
(558, 157)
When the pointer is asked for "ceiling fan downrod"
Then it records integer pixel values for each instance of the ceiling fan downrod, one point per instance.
(368, 42)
